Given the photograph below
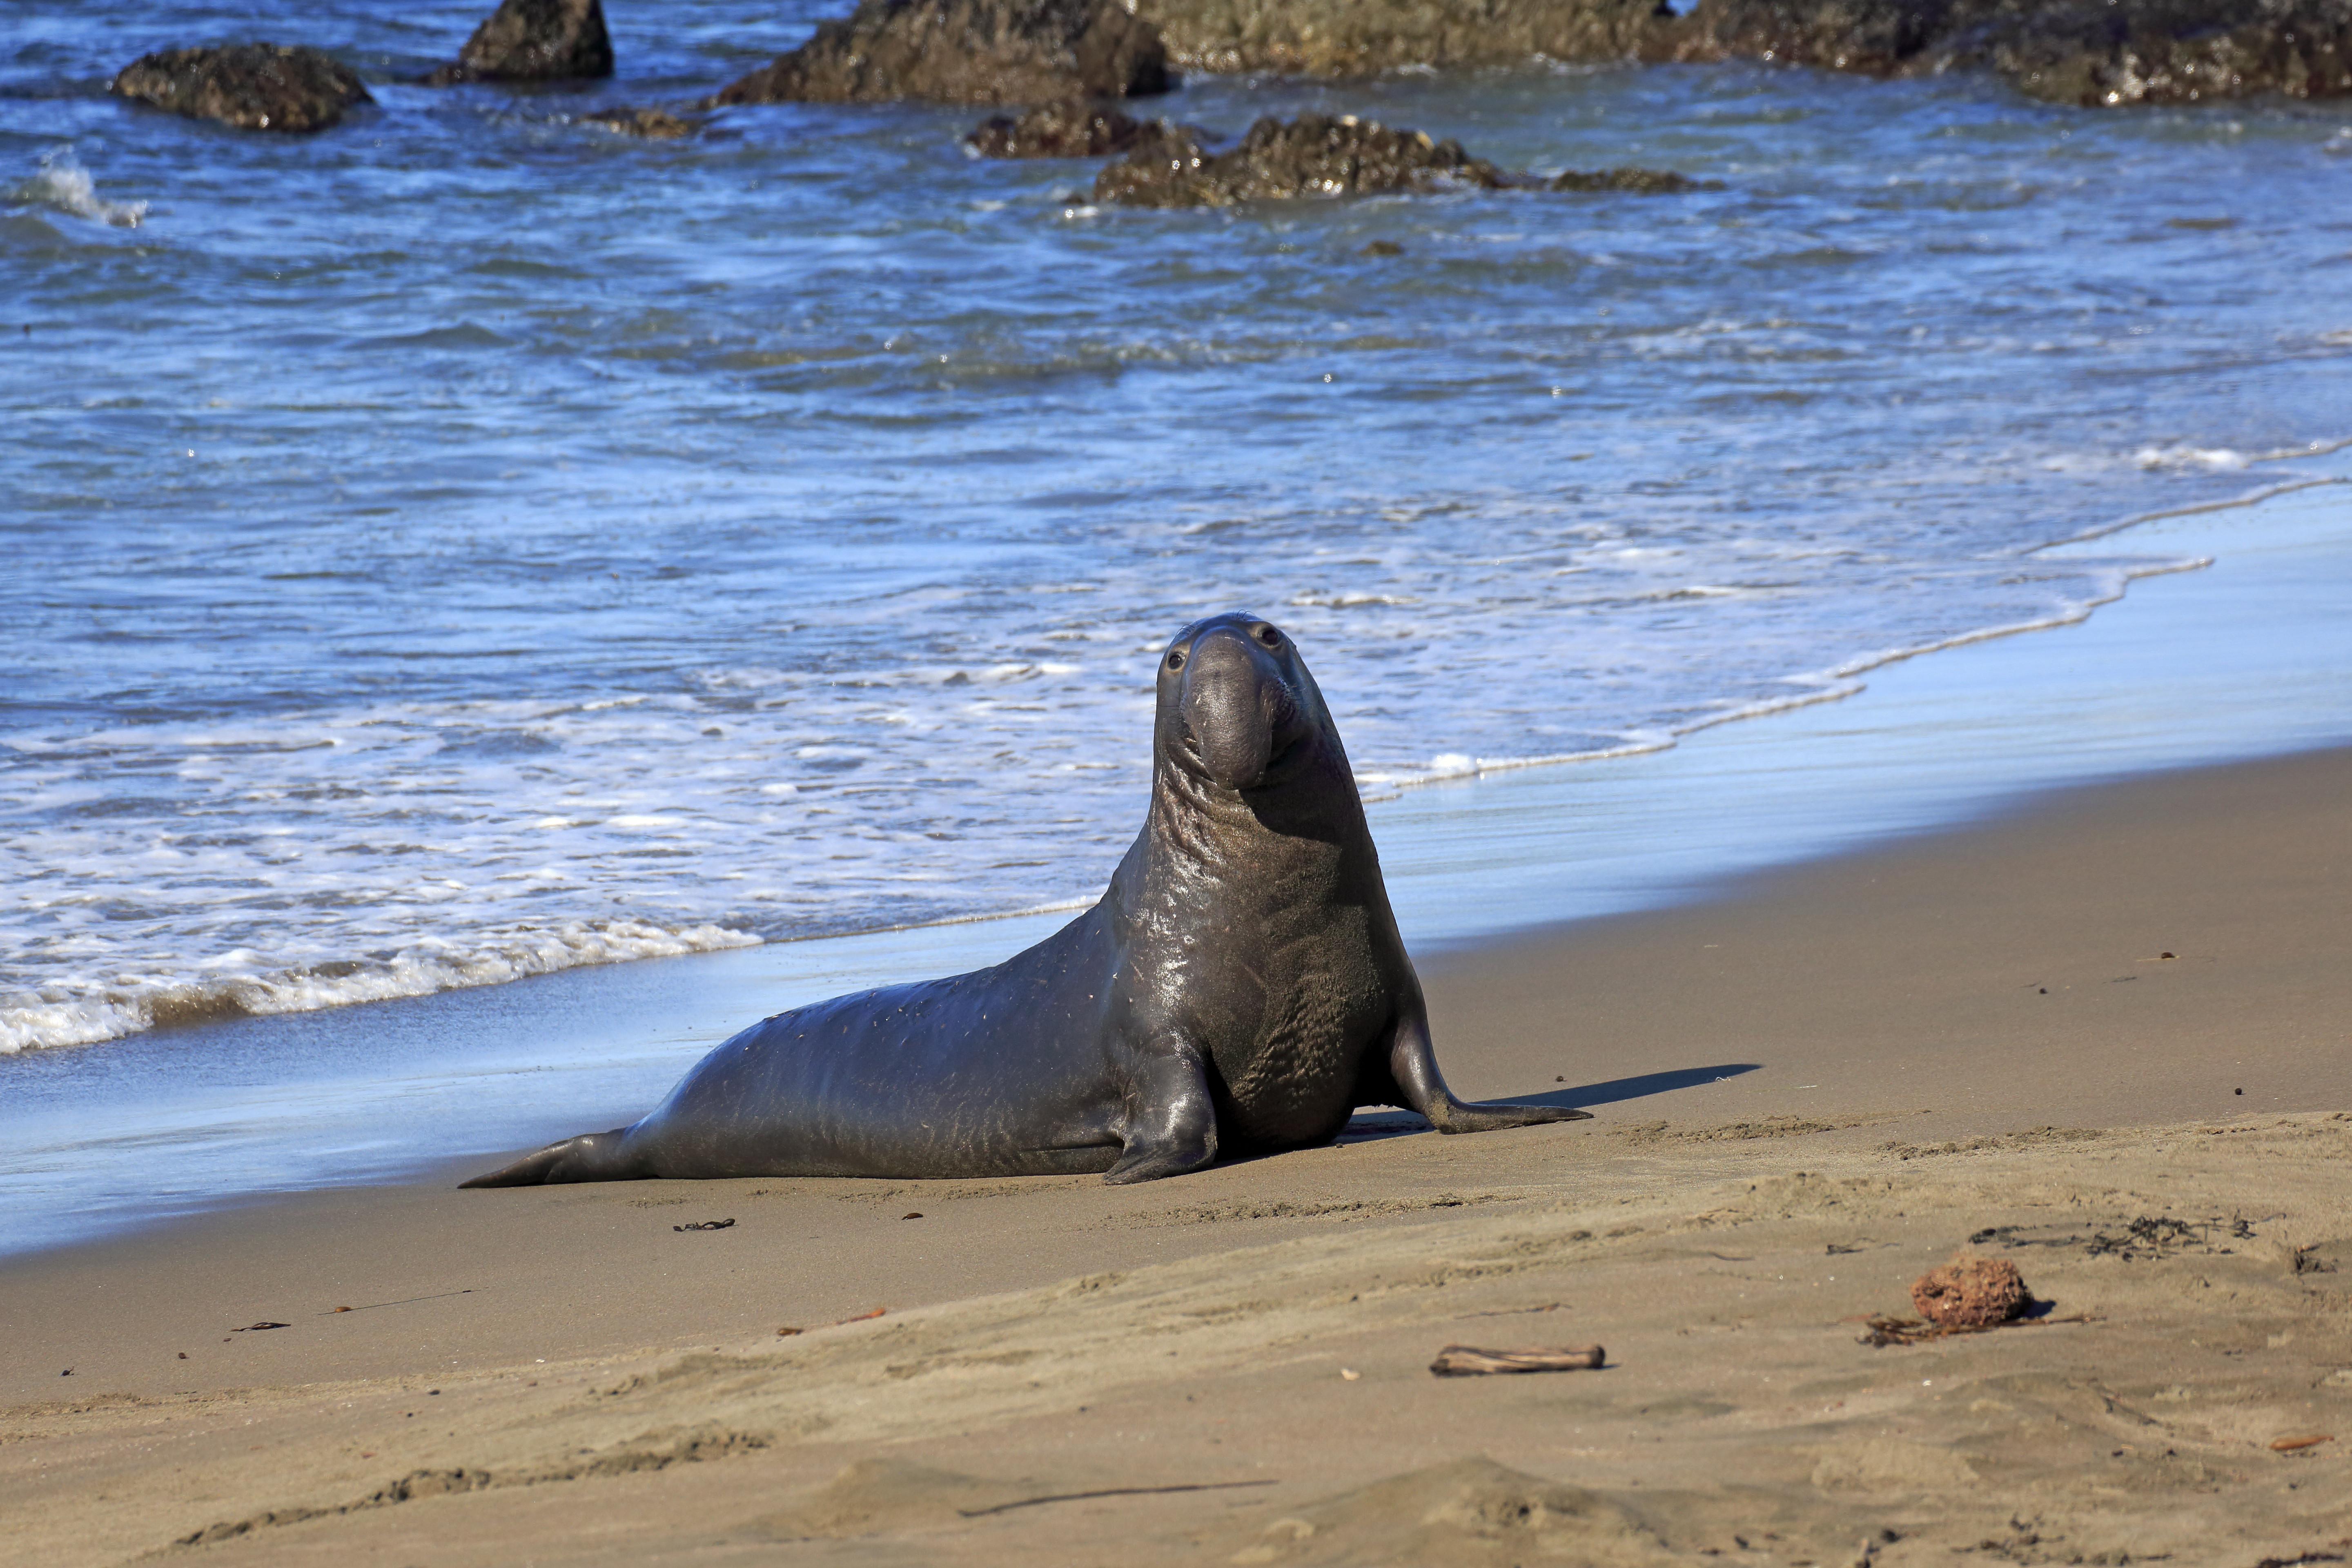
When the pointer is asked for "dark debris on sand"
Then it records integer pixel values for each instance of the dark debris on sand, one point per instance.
(1972, 1293)
(254, 87)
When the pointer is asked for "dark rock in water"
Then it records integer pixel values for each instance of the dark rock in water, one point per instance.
(2087, 52)
(652, 124)
(967, 51)
(2090, 52)
(1384, 247)
(1876, 36)
(1062, 130)
(1359, 38)
(1639, 182)
(534, 40)
(254, 86)
(1314, 155)
(2169, 53)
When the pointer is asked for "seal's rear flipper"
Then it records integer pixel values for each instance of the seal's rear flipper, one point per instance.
(591, 1157)
(1494, 1115)
(1413, 1066)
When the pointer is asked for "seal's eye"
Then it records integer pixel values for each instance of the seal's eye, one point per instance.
(1269, 637)
(1175, 658)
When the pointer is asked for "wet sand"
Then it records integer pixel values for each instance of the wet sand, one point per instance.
(1807, 1091)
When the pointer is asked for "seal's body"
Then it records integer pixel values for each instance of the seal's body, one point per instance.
(1240, 985)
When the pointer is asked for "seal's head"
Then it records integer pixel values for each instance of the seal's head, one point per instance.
(1237, 708)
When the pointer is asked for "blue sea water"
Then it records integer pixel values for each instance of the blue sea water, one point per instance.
(467, 542)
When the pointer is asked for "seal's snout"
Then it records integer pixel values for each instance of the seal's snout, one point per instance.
(1235, 699)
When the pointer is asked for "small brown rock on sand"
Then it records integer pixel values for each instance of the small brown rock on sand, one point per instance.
(1970, 1293)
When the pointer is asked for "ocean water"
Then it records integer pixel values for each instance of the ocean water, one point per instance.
(468, 543)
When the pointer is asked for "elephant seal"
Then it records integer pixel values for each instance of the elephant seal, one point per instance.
(1240, 985)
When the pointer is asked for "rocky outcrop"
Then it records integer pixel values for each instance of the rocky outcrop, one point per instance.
(2100, 55)
(1634, 182)
(2091, 52)
(534, 40)
(1359, 37)
(1314, 155)
(1066, 130)
(2087, 52)
(254, 86)
(1872, 37)
(967, 51)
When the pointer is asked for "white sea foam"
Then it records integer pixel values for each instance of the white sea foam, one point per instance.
(237, 985)
(64, 184)
(1344, 601)
(161, 871)
(2213, 460)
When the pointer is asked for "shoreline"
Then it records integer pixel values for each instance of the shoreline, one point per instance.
(1805, 1092)
(622, 940)
(2228, 661)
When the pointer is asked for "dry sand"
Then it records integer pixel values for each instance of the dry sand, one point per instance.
(1972, 1042)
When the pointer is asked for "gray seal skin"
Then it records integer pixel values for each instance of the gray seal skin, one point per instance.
(1239, 986)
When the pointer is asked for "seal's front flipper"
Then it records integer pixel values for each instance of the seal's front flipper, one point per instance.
(1172, 1121)
(591, 1157)
(1412, 1062)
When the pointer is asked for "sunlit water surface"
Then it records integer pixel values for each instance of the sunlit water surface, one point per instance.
(467, 542)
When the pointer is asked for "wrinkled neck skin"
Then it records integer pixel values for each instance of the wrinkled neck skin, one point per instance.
(1257, 841)
(1297, 838)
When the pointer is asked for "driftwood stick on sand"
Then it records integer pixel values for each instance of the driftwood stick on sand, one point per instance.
(1464, 1361)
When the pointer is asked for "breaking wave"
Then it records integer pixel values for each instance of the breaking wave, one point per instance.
(65, 185)
(63, 1018)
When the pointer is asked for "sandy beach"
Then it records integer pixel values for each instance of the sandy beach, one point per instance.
(2105, 1037)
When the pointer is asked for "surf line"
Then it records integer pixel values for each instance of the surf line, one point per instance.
(1111, 1491)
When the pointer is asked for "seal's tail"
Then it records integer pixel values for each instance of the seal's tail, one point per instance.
(591, 1157)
